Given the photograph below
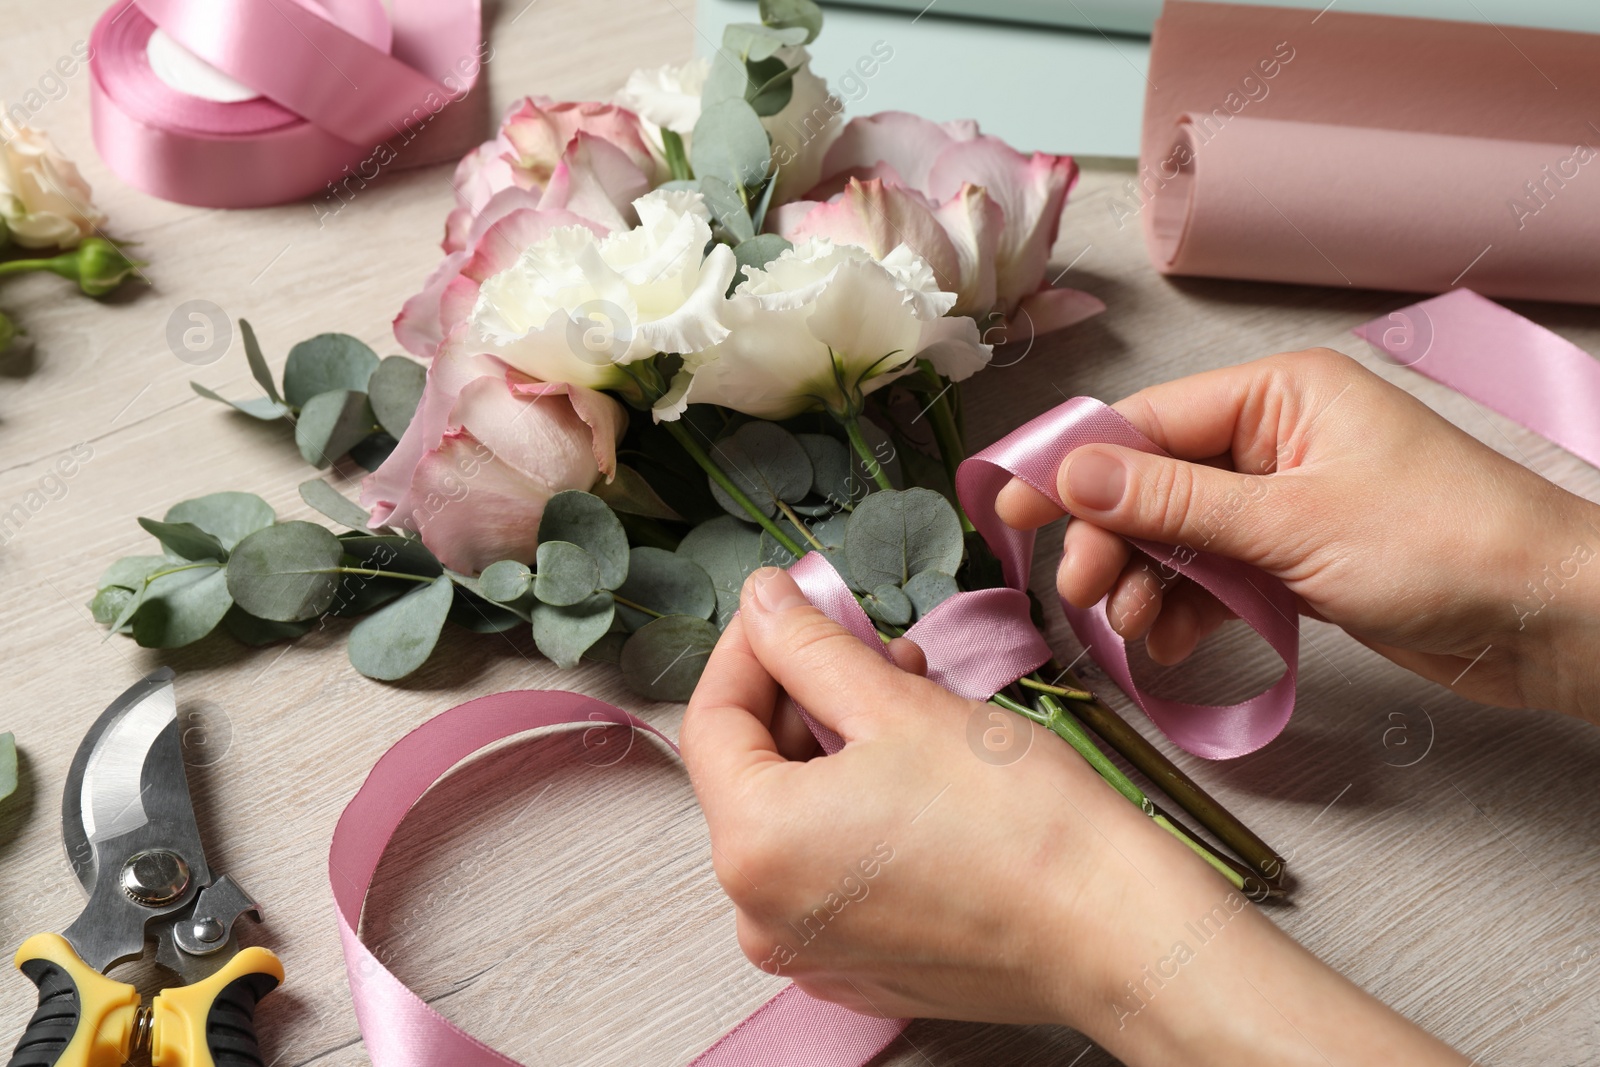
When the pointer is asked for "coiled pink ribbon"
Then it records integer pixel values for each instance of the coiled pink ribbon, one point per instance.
(337, 82)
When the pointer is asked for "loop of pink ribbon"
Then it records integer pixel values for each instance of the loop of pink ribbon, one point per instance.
(336, 82)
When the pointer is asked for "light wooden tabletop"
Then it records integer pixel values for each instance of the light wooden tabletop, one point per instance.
(1446, 853)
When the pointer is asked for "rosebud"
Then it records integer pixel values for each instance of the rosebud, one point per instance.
(100, 266)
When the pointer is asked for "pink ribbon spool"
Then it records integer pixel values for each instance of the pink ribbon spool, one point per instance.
(335, 85)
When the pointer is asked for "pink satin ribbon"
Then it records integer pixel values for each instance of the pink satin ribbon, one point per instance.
(1501, 360)
(401, 1030)
(335, 85)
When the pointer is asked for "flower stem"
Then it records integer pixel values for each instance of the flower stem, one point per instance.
(852, 428)
(952, 449)
(1034, 683)
(718, 475)
(1154, 765)
(1065, 726)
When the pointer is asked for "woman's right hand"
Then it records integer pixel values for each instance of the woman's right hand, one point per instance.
(1380, 516)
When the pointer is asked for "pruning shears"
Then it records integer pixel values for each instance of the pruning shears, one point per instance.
(131, 837)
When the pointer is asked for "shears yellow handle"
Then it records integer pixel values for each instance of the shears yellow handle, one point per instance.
(85, 1019)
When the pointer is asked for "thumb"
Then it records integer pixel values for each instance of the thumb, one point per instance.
(844, 684)
(1172, 501)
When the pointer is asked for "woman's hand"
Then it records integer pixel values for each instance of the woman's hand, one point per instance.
(908, 876)
(1382, 517)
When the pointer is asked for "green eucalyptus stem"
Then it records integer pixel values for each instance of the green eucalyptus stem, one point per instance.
(852, 429)
(625, 602)
(373, 572)
(718, 475)
(805, 531)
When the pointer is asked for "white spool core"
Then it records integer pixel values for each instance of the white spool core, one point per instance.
(186, 72)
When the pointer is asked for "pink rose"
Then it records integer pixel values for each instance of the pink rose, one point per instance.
(591, 159)
(485, 452)
(982, 214)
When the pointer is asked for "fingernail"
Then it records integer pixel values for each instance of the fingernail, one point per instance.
(1096, 480)
(774, 590)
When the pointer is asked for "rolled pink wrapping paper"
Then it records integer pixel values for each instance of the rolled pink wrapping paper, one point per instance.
(1366, 150)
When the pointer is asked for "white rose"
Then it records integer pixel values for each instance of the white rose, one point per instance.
(576, 308)
(44, 201)
(822, 326)
(669, 98)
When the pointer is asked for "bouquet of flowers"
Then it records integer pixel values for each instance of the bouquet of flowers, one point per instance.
(705, 328)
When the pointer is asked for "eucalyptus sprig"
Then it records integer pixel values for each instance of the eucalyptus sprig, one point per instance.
(339, 396)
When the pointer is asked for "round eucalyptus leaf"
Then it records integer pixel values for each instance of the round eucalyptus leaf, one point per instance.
(833, 475)
(129, 572)
(730, 143)
(229, 517)
(728, 551)
(505, 581)
(8, 765)
(629, 493)
(803, 13)
(584, 519)
(752, 40)
(370, 452)
(328, 501)
(328, 362)
(185, 540)
(663, 660)
(181, 608)
(727, 207)
(391, 552)
(726, 80)
(888, 604)
(771, 85)
(249, 630)
(758, 251)
(567, 574)
(399, 638)
(609, 648)
(565, 634)
(285, 572)
(930, 589)
(668, 584)
(330, 424)
(895, 535)
(257, 407)
(109, 603)
(766, 462)
(395, 390)
(774, 554)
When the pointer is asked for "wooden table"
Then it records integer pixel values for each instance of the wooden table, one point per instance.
(1446, 853)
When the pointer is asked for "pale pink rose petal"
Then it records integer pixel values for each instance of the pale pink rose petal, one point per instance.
(540, 132)
(498, 242)
(480, 174)
(907, 143)
(1048, 310)
(606, 419)
(833, 185)
(1030, 192)
(386, 492)
(597, 180)
(878, 217)
(471, 508)
(418, 327)
(974, 222)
